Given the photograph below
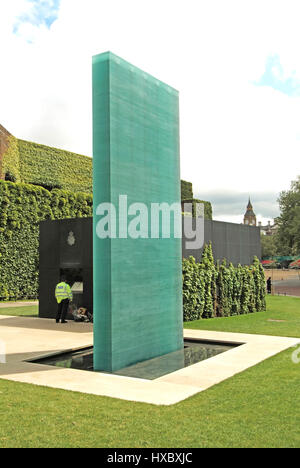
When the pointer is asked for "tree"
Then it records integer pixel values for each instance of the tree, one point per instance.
(268, 245)
(288, 237)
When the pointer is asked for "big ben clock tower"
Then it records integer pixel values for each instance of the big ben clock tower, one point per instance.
(250, 218)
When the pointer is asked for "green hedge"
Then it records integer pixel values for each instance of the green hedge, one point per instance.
(22, 207)
(186, 190)
(194, 201)
(54, 168)
(11, 161)
(221, 290)
(48, 167)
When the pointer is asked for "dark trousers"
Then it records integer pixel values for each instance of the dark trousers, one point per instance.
(62, 310)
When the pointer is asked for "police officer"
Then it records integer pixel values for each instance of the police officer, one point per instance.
(63, 296)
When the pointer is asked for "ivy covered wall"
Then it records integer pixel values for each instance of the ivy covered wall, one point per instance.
(55, 168)
(186, 190)
(22, 207)
(48, 167)
(11, 161)
(187, 196)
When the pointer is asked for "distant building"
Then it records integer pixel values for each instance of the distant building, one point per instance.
(251, 220)
(268, 230)
(250, 217)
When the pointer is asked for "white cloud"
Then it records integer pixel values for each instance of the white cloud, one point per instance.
(234, 134)
(235, 202)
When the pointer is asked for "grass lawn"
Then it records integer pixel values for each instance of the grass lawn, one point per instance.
(257, 408)
(280, 308)
(26, 311)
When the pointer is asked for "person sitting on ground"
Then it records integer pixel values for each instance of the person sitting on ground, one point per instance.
(86, 314)
(82, 315)
(90, 316)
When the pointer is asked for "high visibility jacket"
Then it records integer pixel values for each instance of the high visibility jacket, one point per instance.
(63, 291)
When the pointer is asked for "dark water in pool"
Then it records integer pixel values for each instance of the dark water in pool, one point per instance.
(193, 352)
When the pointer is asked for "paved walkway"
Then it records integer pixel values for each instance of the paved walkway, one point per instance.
(290, 287)
(5, 305)
(30, 338)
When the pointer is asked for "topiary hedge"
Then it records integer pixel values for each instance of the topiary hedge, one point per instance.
(11, 160)
(55, 168)
(48, 167)
(22, 207)
(186, 190)
(193, 202)
(221, 290)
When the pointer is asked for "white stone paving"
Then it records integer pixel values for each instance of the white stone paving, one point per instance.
(29, 338)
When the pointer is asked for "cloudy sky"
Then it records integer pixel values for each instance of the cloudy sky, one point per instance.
(236, 64)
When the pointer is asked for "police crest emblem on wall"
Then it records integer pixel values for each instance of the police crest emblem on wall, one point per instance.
(71, 238)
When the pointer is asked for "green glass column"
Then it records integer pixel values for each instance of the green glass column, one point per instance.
(137, 281)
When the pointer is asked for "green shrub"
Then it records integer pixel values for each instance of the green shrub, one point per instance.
(209, 281)
(48, 167)
(11, 161)
(54, 168)
(193, 289)
(193, 202)
(186, 190)
(259, 279)
(224, 290)
(221, 290)
(236, 289)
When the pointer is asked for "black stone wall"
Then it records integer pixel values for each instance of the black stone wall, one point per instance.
(58, 256)
(235, 242)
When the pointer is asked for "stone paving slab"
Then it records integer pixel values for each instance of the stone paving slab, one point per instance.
(30, 338)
